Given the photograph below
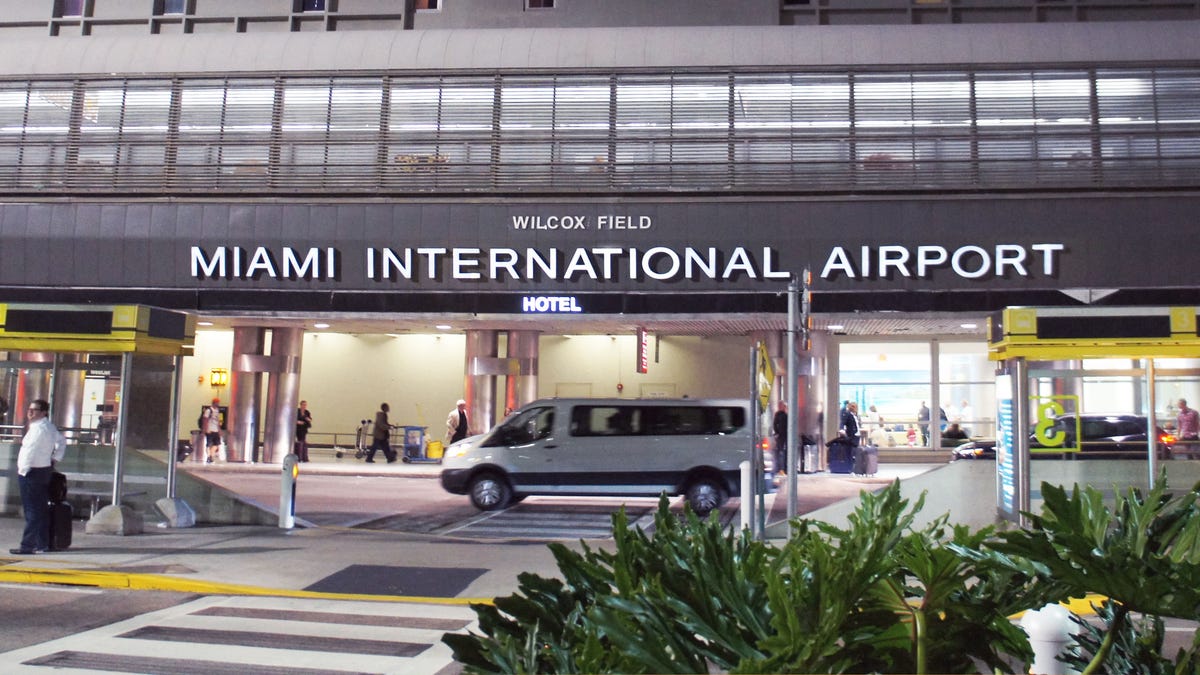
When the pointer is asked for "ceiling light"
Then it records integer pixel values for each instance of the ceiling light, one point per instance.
(968, 325)
(204, 323)
(320, 325)
(443, 326)
(836, 326)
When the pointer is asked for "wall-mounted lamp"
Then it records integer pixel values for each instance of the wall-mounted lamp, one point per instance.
(218, 377)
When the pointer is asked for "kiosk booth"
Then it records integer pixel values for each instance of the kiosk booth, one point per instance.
(1072, 363)
(111, 375)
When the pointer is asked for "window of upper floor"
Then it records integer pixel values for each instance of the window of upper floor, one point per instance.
(70, 7)
(427, 5)
(173, 7)
(312, 5)
(539, 4)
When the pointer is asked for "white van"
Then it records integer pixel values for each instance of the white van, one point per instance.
(606, 447)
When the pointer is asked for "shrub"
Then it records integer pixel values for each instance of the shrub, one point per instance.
(875, 596)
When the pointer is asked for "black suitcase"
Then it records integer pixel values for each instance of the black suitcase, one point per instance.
(60, 525)
(58, 487)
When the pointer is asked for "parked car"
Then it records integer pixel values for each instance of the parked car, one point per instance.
(1118, 436)
(979, 448)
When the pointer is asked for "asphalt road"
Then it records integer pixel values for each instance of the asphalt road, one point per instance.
(35, 614)
(347, 500)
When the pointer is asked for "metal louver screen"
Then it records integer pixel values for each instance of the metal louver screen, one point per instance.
(605, 132)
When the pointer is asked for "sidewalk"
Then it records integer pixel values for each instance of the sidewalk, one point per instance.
(254, 560)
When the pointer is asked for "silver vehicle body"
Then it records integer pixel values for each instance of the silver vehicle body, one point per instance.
(618, 447)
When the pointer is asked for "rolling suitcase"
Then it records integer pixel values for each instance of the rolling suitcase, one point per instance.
(840, 459)
(866, 460)
(809, 458)
(60, 525)
(60, 513)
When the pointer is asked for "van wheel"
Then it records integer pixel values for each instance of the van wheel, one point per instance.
(490, 492)
(704, 495)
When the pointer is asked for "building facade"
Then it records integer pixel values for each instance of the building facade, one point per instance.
(527, 168)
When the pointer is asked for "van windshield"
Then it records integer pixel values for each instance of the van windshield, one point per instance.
(525, 426)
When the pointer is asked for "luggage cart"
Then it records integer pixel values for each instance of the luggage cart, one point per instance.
(363, 438)
(414, 447)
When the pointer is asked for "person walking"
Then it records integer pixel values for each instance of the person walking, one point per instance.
(779, 430)
(456, 423)
(380, 434)
(210, 424)
(303, 423)
(42, 447)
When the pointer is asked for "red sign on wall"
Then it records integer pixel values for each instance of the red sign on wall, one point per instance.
(643, 347)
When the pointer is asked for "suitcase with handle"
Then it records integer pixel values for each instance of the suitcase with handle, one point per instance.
(866, 460)
(61, 515)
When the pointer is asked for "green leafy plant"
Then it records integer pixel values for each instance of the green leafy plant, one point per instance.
(1144, 555)
(1134, 645)
(695, 598)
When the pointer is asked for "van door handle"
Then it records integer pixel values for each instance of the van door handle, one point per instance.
(555, 445)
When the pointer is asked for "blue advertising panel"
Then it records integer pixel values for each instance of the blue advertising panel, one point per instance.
(1006, 468)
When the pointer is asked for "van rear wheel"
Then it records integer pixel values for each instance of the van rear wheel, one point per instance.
(490, 492)
(704, 495)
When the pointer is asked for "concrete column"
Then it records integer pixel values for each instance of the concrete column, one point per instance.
(245, 394)
(811, 369)
(32, 384)
(283, 393)
(520, 385)
(479, 386)
(68, 391)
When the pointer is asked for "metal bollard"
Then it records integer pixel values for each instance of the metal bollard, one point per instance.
(1049, 631)
(287, 492)
(747, 509)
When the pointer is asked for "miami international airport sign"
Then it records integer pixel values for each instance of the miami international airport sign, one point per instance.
(611, 263)
(573, 248)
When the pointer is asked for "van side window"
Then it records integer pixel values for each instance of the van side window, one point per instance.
(657, 420)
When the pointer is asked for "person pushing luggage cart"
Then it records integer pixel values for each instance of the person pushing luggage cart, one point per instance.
(380, 434)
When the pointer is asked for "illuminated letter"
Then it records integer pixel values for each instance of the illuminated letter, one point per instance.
(838, 262)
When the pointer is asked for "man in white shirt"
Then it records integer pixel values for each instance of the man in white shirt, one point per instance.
(42, 447)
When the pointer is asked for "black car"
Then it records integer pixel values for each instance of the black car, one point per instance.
(1119, 436)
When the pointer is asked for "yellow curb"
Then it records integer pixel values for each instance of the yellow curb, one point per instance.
(155, 582)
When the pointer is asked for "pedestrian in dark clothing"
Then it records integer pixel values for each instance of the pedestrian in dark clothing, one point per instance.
(850, 425)
(923, 423)
(303, 423)
(380, 435)
(779, 430)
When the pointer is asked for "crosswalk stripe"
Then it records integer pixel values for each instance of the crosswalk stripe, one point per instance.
(219, 634)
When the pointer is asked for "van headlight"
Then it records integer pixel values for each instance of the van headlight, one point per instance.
(459, 450)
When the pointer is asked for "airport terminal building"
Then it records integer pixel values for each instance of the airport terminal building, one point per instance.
(523, 170)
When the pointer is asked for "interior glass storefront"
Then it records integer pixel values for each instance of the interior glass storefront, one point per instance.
(890, 381)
